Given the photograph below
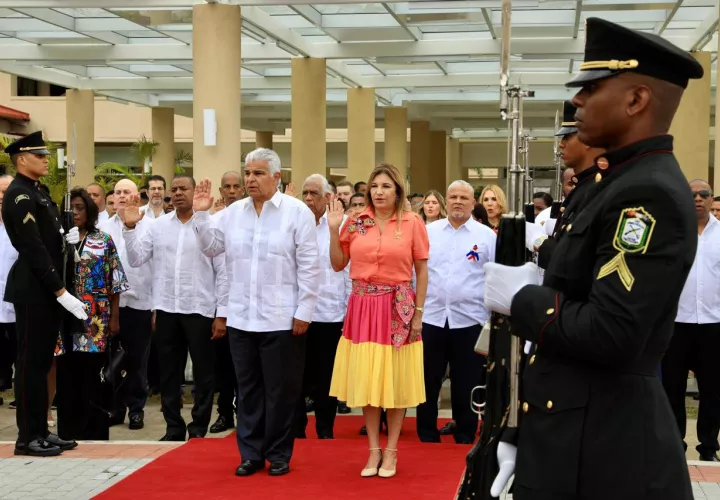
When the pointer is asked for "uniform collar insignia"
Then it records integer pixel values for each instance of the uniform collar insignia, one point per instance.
(616, 158)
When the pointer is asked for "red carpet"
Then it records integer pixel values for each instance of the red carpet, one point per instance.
(327, 469)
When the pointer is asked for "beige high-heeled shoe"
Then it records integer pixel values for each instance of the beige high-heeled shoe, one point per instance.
(372, 471)
(388, 472)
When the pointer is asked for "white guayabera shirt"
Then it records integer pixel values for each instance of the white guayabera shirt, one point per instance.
(8, 256)
(271, 259)
(185, 281)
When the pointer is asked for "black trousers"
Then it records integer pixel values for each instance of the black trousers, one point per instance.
(176, 334)
(38, 326)
(8, 353)
(134, 339)
(322, 342)
(695, 347)
(83, 401)
(455, 346)
(225, 380)
(269, 368)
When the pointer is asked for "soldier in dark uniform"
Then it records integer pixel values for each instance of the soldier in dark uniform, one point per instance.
(580, 158)
(596, 423)
(36, 289)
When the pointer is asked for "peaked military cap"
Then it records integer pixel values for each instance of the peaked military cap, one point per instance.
(31, 143)
(611, 49)
(568, 125)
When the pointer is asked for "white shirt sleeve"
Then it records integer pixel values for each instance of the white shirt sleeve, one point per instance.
(308, 270)
(210, 234)
(139, 245)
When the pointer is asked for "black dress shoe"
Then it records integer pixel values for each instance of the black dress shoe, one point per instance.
(38, 448)
(363, 431)
(221, 425)
(705, 457)
(249, 467)
(1, 401)
(137, 422)
(309, 405)
(170, 437)
(448, 429)
(343, 408)
(279, 468)
(12, 405)
(63, 444)
(325, 436)
(195, 435)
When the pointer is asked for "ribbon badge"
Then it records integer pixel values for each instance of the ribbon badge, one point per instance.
(632, 236)
(473, 255)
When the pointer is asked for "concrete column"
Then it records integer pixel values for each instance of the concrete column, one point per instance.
(80, 114)
(361, 133)
(163, 132)
(264, 139)
(308, 116)
(691, 125)
(438, 161)
(396, 147)
(216, 86)
(453, 169)
(419, 156)
(716, 168)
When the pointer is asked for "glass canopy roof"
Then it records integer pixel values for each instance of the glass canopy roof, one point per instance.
(434, 53)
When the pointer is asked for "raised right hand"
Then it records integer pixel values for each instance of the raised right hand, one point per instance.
(203, 199)
(336, 212)
(131, 214)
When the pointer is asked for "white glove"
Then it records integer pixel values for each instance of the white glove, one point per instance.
(534, 236)
(549, 226)
(503, 282)
(506, 454)
(73, 236)
(72, 305)
(528, 346)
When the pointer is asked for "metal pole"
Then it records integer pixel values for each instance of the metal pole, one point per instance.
(556, 150)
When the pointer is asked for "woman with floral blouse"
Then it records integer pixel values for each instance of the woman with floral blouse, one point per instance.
(83, 399)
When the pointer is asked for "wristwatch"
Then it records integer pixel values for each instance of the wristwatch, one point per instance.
(419, 309)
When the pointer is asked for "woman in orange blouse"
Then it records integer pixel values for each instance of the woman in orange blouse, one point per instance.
(379, 360)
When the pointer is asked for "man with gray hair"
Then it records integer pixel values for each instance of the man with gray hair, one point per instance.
(271, 253)
(454, 312)
(327, 320)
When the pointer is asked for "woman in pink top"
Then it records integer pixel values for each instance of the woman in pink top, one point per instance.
(379, 360)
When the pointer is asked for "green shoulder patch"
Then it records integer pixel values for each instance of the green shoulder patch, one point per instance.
(634, 230)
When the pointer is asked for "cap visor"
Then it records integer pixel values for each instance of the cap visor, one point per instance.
(566, 131)
(585, 77)
(41, 152)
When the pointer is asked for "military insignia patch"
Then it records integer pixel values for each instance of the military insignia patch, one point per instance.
(28, 217)
(632, 235)
(634, 230)
(21, 197)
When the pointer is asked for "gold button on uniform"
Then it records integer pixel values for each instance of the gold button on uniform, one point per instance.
(532, 359)
(562, 210)
(526, 407)
(549, 405)
(569, 227)
(550, 311)
(598, 177)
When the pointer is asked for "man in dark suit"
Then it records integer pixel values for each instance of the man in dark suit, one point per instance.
(36, 289)
(596, 423)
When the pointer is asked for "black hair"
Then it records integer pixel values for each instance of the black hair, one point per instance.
(156, 178)
(109, 193)
(91, 209)
(717, 198)
(185, 176)
(415, 195)
(357, 195)
(480, 214)
(547, 199)
(357, 185)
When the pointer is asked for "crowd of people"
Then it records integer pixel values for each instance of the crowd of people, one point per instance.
(362, 296)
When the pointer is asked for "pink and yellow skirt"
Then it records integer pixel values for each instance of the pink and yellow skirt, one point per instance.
(376, 364)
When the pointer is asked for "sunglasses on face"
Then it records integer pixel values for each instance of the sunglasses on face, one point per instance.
(167, 199)
(703, 193)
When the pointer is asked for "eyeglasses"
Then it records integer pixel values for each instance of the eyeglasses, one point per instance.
(703, 193)
(167, 199)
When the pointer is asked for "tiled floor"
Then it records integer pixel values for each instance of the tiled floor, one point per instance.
(77, 474)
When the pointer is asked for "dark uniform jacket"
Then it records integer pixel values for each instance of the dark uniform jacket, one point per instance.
(568, 211)
(33, 225)
(597, 423)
